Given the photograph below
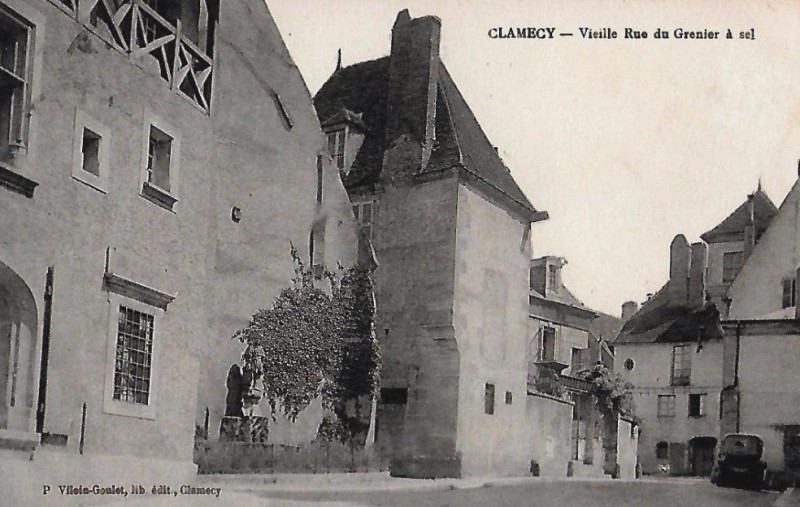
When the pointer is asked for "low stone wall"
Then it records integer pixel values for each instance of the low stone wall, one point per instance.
(319, 457)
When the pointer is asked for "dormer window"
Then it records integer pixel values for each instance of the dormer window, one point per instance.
(336, 141)
(552, 278)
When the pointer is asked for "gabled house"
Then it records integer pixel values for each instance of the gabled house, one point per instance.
(671, 348)
(451, 230)
(761, 379)
(156, 161)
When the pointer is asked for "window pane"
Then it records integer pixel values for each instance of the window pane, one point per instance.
(133, 356)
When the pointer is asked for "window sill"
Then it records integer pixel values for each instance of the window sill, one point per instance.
(158, 196)
(90, 180)
(126, 409)
(16, 182)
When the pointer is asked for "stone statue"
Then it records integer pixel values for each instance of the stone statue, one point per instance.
(235, 384)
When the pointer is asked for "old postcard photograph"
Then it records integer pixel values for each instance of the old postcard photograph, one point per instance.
(464, 252)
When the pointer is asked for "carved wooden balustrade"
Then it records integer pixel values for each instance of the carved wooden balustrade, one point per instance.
(137, 29)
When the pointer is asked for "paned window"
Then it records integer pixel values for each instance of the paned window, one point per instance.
(666, 405)
(336, 142)
(681, 365)
(365, 215)
(15, 37)
(134, 356)
(159, 153)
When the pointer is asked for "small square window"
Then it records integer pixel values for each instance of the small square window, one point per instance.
(666, 405)
(90, 152)
(509, 398)
(488, 399)
(697, 405)
(731, 264)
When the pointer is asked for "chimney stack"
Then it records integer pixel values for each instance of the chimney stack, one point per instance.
(679, 261)
(628, 309)
(413, 76)
(697, 274)
(749, 229)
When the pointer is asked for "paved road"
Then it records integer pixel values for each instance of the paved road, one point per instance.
(673, 493)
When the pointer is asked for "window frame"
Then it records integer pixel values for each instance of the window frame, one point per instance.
(19, 122)
(125, 408)
(337, 146)
(729, 272)
(489, 391)
(100, 181)
(165, 198)
(662, 446)
(665, 409)
(543, 355)
(358, 213)
(788, 292)
(681, 376)
(701, 405)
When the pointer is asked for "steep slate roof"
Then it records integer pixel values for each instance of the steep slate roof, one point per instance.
(460, 141)
(763, 212)
(659, 322)
(606, 327)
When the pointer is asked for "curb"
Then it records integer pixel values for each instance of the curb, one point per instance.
(789, 497)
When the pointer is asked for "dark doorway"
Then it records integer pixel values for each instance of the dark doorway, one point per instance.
(701, 456)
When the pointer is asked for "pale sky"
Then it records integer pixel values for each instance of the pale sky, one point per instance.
(626, 143)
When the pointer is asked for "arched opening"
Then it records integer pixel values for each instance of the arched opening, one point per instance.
(18, 331)
(701, 455)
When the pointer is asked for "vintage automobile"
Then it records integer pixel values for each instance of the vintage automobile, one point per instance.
(739, 463)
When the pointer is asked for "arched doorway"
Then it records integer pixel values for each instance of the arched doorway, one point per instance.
(18, 330)
(701, 455)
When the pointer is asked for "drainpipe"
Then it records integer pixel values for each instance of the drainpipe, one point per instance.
(736, 376)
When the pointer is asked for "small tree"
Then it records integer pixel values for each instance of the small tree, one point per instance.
(295, 347)
(614, 394)
(312, 343)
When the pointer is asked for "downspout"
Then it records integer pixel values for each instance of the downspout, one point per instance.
(736, 376)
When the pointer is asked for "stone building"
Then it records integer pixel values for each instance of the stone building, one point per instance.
(156, 161)
(451, 230)
(761, 380)
(671, 349)
(562, 345)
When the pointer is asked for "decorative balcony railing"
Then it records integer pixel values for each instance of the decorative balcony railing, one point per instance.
(137, 29)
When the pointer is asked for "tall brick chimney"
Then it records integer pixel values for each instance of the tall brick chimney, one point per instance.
(697, 274)
(413, 72)
(679, 261)
(749, 230)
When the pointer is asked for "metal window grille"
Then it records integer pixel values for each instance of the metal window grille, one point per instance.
(134, 356)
